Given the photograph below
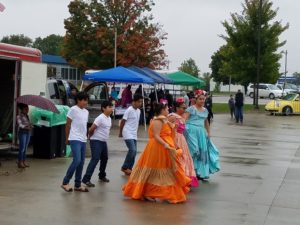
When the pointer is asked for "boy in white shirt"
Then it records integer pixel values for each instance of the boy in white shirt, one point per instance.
(128, 130)
(99, 134)
(76, 131)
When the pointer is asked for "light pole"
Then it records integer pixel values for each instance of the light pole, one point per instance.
(258, 66)
(115, 45)
(115, 54)
(285, 71)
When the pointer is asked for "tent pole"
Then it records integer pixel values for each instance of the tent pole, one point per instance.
(144, 106)
(81, 86)
(174, 90)
(155, 91)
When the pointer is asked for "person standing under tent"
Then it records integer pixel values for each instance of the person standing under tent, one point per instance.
(186, 98)
(169, 98)
(128, 130)
(126, 96)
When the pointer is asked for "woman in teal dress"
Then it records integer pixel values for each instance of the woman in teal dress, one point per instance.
(204, 153)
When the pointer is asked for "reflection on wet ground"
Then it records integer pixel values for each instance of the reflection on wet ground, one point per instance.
(258, 184)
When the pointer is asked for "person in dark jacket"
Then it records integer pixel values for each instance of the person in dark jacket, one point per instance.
(239, 104)
(169, 98)
(208, 106)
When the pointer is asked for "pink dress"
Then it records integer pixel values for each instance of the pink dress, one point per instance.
(186, 159)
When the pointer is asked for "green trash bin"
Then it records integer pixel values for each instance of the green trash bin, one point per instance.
(49, 132)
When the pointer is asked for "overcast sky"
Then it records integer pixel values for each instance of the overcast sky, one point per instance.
(193, 26)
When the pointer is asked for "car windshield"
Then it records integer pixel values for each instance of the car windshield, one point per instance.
(289, 97)
(273, 87)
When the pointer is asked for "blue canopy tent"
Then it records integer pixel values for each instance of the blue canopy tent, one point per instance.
(158, 78)
(120, 75)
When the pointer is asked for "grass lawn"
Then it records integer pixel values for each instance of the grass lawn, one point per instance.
(248, 108)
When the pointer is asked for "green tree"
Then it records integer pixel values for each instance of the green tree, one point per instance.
(89, 39)
(51, 44)
(220, 66)
(207, 78)
(189, 66)
(297, 76)
(240, 55)
(17, 39)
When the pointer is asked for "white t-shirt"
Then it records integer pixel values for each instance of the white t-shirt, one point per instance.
(132, 117)
(103, 124)
(79, 119)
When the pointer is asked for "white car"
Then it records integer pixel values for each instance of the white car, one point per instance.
(266, 91)
(289, 88)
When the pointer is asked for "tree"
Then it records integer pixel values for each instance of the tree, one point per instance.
(219, 65)
(207, 78)
(297, 76)
(17, 39)
(189, 66)
(239, 56)
(89, 39)
(51, 44)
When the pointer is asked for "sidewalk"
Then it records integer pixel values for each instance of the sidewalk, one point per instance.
(258, 184)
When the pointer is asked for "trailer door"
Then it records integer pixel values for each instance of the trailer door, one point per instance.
(33, 78)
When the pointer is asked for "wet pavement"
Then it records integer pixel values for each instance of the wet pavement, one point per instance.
(258, 185)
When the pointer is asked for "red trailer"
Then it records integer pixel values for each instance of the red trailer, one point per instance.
(17, 65)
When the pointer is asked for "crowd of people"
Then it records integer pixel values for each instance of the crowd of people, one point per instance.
(178, 154)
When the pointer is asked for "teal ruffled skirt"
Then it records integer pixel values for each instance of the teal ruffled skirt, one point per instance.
(204, 153)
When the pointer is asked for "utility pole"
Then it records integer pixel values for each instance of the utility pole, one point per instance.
(285, 71)
(116, 36)
(258, 65)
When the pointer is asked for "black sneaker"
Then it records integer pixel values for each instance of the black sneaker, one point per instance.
(89, 184)
(104, 179)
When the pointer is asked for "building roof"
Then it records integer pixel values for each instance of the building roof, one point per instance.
(54, 59)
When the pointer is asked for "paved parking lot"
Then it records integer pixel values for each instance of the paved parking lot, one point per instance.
(258, 185)
(248, 100)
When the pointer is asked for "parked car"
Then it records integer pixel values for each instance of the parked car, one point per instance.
(289, 104)
(266, 91)
(289, 88)
(98, 92)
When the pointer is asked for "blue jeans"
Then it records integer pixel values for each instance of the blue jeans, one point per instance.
(24, 138)
(78, 152)
(99, 152)
(130, 157)
(239, 114)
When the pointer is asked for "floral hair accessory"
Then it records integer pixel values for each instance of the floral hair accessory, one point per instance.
(180, 100)
(199, 92)
(163, 101)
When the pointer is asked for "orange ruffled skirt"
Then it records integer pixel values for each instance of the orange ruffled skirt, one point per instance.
(158, 172)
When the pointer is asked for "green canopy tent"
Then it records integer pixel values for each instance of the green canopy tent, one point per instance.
(182, 78)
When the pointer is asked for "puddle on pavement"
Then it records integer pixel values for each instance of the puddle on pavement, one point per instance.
(249, 142)
(241, 176)
(244, 161)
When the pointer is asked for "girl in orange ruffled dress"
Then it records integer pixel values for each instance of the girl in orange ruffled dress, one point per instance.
(186, 159)
(158, 174)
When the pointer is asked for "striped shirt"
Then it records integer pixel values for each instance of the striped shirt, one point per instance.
(23, 122)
